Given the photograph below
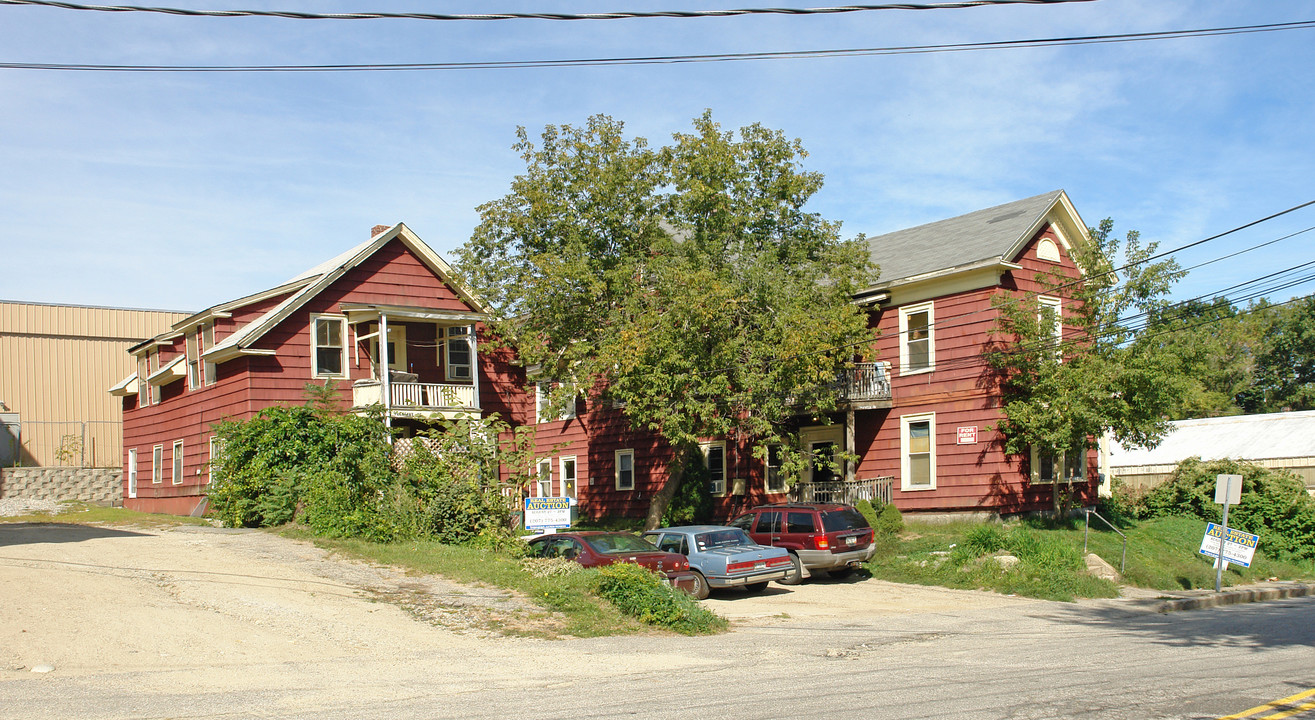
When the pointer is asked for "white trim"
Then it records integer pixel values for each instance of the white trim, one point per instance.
(1057, 332)
(616, 457)
(716, 487)
(575, 475)
(1047, 250)
(905, 451)
(767, 474)
(210, 461)
(132, 472)
(542, 475)
(904, 313)
(176, 463)
(1059, 462)
(449, 338)
(810, 436)
(315, 319)
(157, 465)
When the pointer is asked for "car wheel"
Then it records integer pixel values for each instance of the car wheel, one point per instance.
(755, 587)
(701, 588)
(841, 573)
(796, 574)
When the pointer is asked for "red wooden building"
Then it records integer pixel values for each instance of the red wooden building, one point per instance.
(325, 325)
(917, 416)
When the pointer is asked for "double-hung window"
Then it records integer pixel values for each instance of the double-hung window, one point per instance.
(917, 348)
(1050, 465)
(543, 478)
(546, 402)
(193, 344)
(918, 452)
(458, 352)
(775, 477)
(209, 371)
(1050, 313)
(625, 469)
(567, 476)
(157, 465)
(177, 475)
(714, 458)
(328, 345)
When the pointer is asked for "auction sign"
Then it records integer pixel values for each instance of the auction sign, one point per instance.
(1239, 547)
(543, 513)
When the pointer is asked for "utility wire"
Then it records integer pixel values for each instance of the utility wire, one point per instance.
(677, 59)
(622, 15)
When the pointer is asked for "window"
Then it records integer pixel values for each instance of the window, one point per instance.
(568, 477)
(714, 459)
(548, 398)
(458, 353)
(396, 347)
(800, 522)
(625, 469)
(917, 349)
(177, 476)
(775, 478)
(143, 388)
(194, 359)
(543, 479)
(209, 371)
(132, 472)
(1049, 465)
(1051, 310)
(1047, 250)
(918, 452)
(157, 465)
(329, 352)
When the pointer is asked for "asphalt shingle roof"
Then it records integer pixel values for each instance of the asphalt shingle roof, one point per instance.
(958, 241)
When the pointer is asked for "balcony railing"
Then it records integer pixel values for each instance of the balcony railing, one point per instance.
(873, 490)
(415, 396)
(865, 382)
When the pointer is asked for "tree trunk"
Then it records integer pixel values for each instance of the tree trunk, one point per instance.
(661, 500)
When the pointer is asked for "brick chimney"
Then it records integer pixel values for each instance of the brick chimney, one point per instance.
(379, 229)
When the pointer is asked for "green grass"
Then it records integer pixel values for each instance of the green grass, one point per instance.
(87, 513)
(581, 612)
(1162, 555)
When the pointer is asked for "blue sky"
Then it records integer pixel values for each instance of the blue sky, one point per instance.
(179, 191)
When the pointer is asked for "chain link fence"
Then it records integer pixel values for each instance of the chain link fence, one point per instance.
(54, 443)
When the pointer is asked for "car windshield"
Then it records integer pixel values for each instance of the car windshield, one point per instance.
(846, 519)
(729, 537)
(614, 543)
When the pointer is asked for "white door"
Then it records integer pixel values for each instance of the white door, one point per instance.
(132, 473)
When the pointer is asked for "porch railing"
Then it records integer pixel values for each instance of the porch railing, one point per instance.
(415, 395)
(865, 381)
(874, 490)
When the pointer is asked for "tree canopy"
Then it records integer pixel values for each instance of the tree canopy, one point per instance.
(686, 281)
(1064, 394)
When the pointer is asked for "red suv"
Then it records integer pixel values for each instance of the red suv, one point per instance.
(819, 536)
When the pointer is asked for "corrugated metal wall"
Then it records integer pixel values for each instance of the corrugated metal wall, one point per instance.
(57, 363)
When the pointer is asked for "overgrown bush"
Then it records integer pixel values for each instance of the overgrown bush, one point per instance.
(889, 521)
(646, 596)
(692, 503)
(1274, 504)
(868, 512)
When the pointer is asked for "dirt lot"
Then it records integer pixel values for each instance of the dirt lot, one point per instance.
(187, 612)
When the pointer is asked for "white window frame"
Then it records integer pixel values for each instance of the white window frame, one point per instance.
(463, 334)
(1056, 305)
(192, 346)
(210, 462)
(157, 465)
(540, 398)
(177, 464)
(543, 478)
(574, 475)
(132, 472)
(1059, 463)
(904, 313)
(209, 370)
(905, 422)
(629, 454)
(315, 319)
(716, 485)
(780, 486)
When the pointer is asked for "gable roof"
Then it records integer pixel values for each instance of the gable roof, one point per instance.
(1272, 436)
(991, 236)
(306, 285)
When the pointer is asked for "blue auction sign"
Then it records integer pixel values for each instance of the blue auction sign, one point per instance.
(547, 512)
(1239, 547)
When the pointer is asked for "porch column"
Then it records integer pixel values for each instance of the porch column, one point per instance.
(474, 365)
(851, 466)
(385, 382)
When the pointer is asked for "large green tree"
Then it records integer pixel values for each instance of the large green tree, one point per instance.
(1285, 364)
(1064, 394)
(1215, 345)
(685, 281)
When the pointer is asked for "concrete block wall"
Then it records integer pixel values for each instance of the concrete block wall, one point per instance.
(103, 486)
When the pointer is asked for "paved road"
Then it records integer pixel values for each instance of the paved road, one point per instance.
(1011, 659)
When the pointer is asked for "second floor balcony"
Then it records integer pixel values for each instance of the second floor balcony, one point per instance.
(865, 386)
(417, 399)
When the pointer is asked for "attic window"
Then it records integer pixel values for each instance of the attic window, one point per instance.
(1047, 250)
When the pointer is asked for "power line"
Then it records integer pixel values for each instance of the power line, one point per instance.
(622, 15)
(677, 59)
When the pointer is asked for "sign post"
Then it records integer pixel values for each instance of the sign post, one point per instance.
(1228, 491)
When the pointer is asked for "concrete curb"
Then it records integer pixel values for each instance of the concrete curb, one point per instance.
(1234, 596)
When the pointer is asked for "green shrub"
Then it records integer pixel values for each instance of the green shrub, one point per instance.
(889, 521)
(692, 503)
(1274, 504)
(646, 596)
(868, 512)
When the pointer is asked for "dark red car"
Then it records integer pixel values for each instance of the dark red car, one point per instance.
(819, 536)
(598, 548)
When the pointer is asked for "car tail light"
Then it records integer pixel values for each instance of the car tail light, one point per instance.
(821, 542)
